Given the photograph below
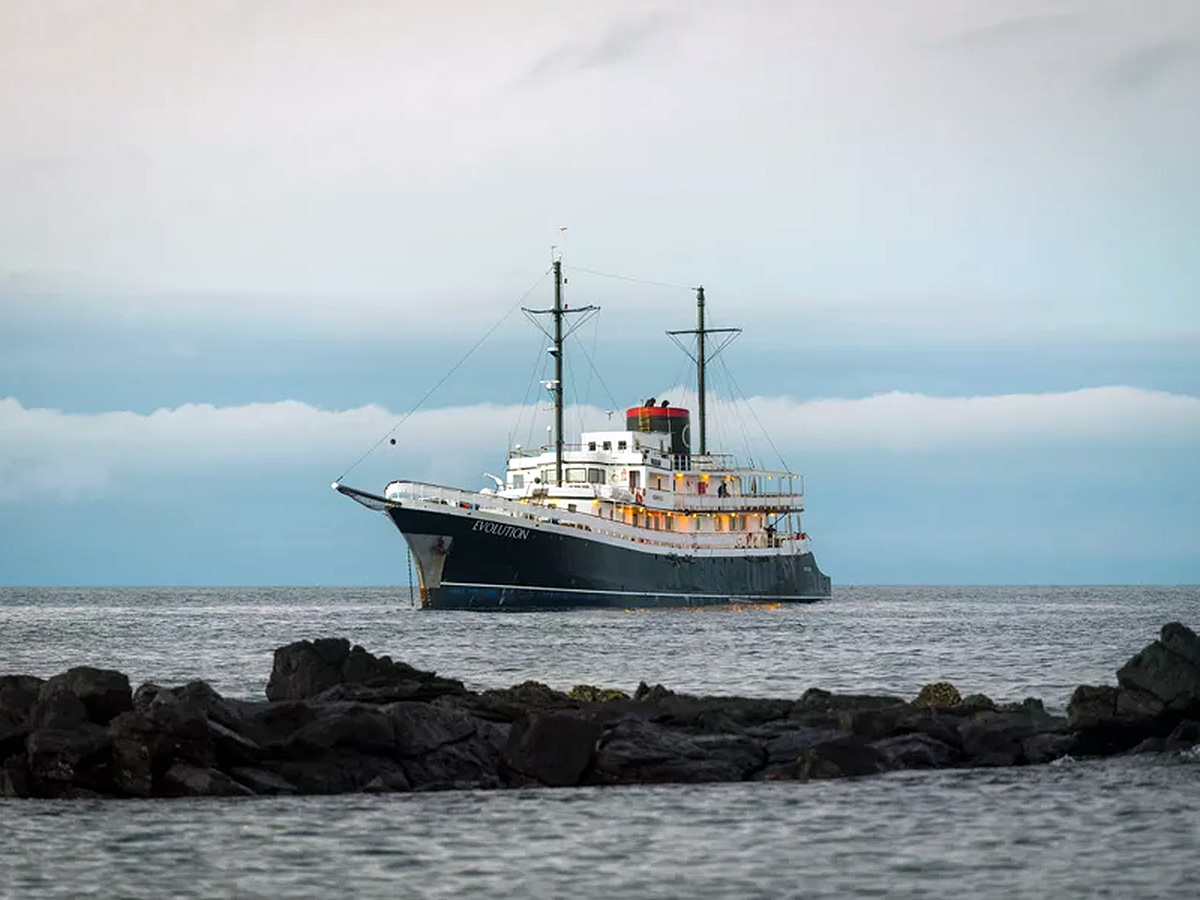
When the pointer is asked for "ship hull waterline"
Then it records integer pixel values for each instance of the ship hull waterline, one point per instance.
(469, 561)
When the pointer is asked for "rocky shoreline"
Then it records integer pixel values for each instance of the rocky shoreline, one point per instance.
(338, 719)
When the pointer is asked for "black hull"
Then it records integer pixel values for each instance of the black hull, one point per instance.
(469, 561)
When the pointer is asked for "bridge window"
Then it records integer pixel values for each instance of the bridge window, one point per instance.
(518, 481)
(576, 475)
(621, 445)
(591, 445)
(608, 445)
(595, 476)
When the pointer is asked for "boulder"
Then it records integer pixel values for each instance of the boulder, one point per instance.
(1092, 707)
(184, 780)
(15, 780)
(973, 703)
(554, 748)
(1038, 749)
(1168, 673)
(511, 704)
(260, 781)
(587, 693)
(470, 764)
(940, 694)
(1185, 736)
(18, 694)
(635, 751)
(651, 694)
(305, 669)
(357, 726)
(340, 770)
(916, 751)
(421, 728)
(996, 738)
(1181, 641)
(60, 760)
(104, 693)
(844, 757)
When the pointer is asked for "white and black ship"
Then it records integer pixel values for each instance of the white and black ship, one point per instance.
(626, 518)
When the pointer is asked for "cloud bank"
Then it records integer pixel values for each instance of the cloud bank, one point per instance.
(47, 453)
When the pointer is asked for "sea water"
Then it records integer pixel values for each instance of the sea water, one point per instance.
(1122, 827)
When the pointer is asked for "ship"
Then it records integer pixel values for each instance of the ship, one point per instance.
(628, 518)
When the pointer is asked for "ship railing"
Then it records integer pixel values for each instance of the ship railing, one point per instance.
(739, 502)
(416, 491)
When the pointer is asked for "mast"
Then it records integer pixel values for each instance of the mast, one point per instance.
(702, 358)
(700, 365)
(558, 374)
(558, 334)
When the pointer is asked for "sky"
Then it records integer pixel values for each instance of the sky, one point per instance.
(241, 241)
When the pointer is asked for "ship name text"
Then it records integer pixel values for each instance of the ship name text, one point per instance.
(501, 530)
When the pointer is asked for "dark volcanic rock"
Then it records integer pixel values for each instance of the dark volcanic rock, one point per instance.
(185, 780)
(635, 751)
(307, 668)
(61, 760)
(344, 720)
(1167, 669)
(104, 693)
(554, 748)
(916, 751)
(843, 757)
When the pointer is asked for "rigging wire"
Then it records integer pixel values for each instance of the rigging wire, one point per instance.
(661, 284)
(599, 377)
(408, 415)
(733, 380)
(538, 360)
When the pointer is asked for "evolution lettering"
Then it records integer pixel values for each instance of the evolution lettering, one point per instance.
(499, 530)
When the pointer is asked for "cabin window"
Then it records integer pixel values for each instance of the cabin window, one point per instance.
(518, 481)
(571, 507)
(621, 445)
(670, 523)
(596, 476)
(608, 445)
(576, 475)
(591, 445)
(635, 480)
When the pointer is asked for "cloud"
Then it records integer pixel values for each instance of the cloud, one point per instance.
(1010, 31)
(621, 41)
(52, 454)
(1140, 68)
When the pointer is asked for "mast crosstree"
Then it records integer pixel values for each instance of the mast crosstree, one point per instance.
(558, 312)
(702, 359)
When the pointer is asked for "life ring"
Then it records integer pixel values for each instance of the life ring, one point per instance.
(640, 495)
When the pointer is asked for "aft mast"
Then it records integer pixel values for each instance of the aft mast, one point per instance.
(701, 360)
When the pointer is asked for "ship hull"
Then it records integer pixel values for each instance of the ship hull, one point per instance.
(470, 561)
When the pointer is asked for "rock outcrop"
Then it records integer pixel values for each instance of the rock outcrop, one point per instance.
(339, 719)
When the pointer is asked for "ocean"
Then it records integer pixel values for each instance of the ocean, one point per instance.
(1122, 827)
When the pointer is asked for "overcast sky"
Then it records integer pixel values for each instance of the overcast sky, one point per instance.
(239, 240)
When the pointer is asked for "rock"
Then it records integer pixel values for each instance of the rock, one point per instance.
(651, 694)
(1038, 749)
(974, 703)
(58, 709)
(940, 694)
(511, 704)
(62, 759)
(916, 751)
(307, 668)
(554, 748)
(1134, 705)
(635, 751)
(843, 757)
(1170, 676)
(260, 781)
(17, 695)
(391, 783)
(184, 780)
(361, 727)
(470, 764)
(104, 693)
(338, 771)
(1149, 745)
(15, 780)
(995, 739)
(1181, 641)
(1185, 736)
(421, 728)
(1092, 707)
(587, 693)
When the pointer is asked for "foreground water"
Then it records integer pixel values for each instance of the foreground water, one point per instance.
(1121, 827)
